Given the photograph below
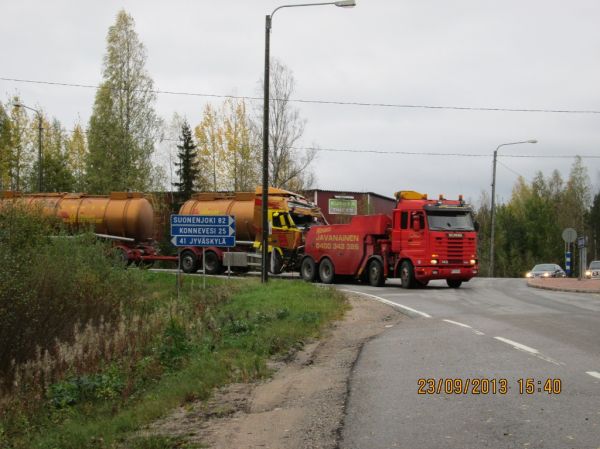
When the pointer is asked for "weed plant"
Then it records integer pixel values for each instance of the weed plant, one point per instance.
(94, 351)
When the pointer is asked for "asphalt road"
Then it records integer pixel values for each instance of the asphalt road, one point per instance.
(499, 330)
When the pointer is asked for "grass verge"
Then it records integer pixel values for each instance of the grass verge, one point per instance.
(206, 339)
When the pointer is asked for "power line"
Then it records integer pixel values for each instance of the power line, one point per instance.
(416, 153)
(511, 170)
(330, 102)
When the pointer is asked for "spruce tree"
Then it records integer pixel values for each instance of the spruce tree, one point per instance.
(188, 168)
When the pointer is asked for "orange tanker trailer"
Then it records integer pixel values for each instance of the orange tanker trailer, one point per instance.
(126, 218)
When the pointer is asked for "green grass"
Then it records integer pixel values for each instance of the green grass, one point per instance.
(211, 337)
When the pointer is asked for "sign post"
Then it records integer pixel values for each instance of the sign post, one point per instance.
(202, 231)
(582, 247)
(569, 235)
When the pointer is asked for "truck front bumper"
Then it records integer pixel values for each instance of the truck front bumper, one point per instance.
(436, 272)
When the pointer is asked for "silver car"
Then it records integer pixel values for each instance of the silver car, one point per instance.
(593, 272)
(546, 270)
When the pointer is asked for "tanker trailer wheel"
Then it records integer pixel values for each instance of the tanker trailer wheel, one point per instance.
(213, 264)
(407, 274)
(326, 271)
(453, 283)
(308, 269)
(123, 256)
(375, 273)
(188, 261)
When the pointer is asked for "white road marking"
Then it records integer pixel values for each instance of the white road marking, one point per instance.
(389, 303)
(464, 325)
(530, 350)
(457, 323)
(595, 374)
(516, 345)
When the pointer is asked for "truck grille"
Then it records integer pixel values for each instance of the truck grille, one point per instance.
(455, 251)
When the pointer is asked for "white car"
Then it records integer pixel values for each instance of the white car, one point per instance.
(593, 272)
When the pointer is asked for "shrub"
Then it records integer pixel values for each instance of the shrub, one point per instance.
(50, 284)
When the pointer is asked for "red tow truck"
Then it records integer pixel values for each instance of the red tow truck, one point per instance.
(423, 240)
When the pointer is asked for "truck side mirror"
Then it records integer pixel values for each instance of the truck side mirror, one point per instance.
(476, 226)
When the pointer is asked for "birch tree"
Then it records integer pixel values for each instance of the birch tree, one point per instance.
(288, 168)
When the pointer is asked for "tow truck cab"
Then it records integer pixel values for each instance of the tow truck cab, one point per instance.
(433, 239)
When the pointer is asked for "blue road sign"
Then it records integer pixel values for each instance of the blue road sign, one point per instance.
(223, 231)
(185, 240)
(203, 230)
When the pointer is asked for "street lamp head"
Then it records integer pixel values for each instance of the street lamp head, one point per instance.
(532, 141)
(17, 105)
(345, 3)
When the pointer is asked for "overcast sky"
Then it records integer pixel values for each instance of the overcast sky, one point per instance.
(518, 54)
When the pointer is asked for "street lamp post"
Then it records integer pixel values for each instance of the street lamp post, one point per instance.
(494, 199)
(40, 129)
(265, 155)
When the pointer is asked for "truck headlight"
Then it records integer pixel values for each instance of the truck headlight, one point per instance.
(528, 275)
(473, 261)
(434, 261)
(588, 274)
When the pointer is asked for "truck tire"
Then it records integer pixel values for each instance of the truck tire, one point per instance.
(407, 274)
(375, 273)
(326, 271)
(453, 283)
(213, 264)
(275, 262)
(188, 261)
(123, 256)
(308, 269)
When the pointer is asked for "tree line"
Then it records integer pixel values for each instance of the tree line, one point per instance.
(117, 149)
(529, 226)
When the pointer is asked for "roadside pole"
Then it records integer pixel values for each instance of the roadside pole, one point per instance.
(178, 277)
(204, 269)
(582, 247)
(569, 235)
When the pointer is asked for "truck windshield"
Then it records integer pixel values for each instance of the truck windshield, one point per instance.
(455, 221)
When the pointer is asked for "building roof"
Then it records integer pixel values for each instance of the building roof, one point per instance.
(342, 192)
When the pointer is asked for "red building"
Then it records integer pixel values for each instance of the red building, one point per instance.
(339, 207)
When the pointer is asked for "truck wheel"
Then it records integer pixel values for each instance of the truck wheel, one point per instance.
(375, 274)
(213, 264)
(326, 272)
(188, 261)
(123, 256)
(308, 269)
(276, 262)
(407, 274)
(453, 283)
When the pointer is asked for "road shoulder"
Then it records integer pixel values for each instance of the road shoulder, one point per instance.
(301, 406)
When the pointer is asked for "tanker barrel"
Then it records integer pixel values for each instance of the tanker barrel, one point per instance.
(240, 205)
(127, 215)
